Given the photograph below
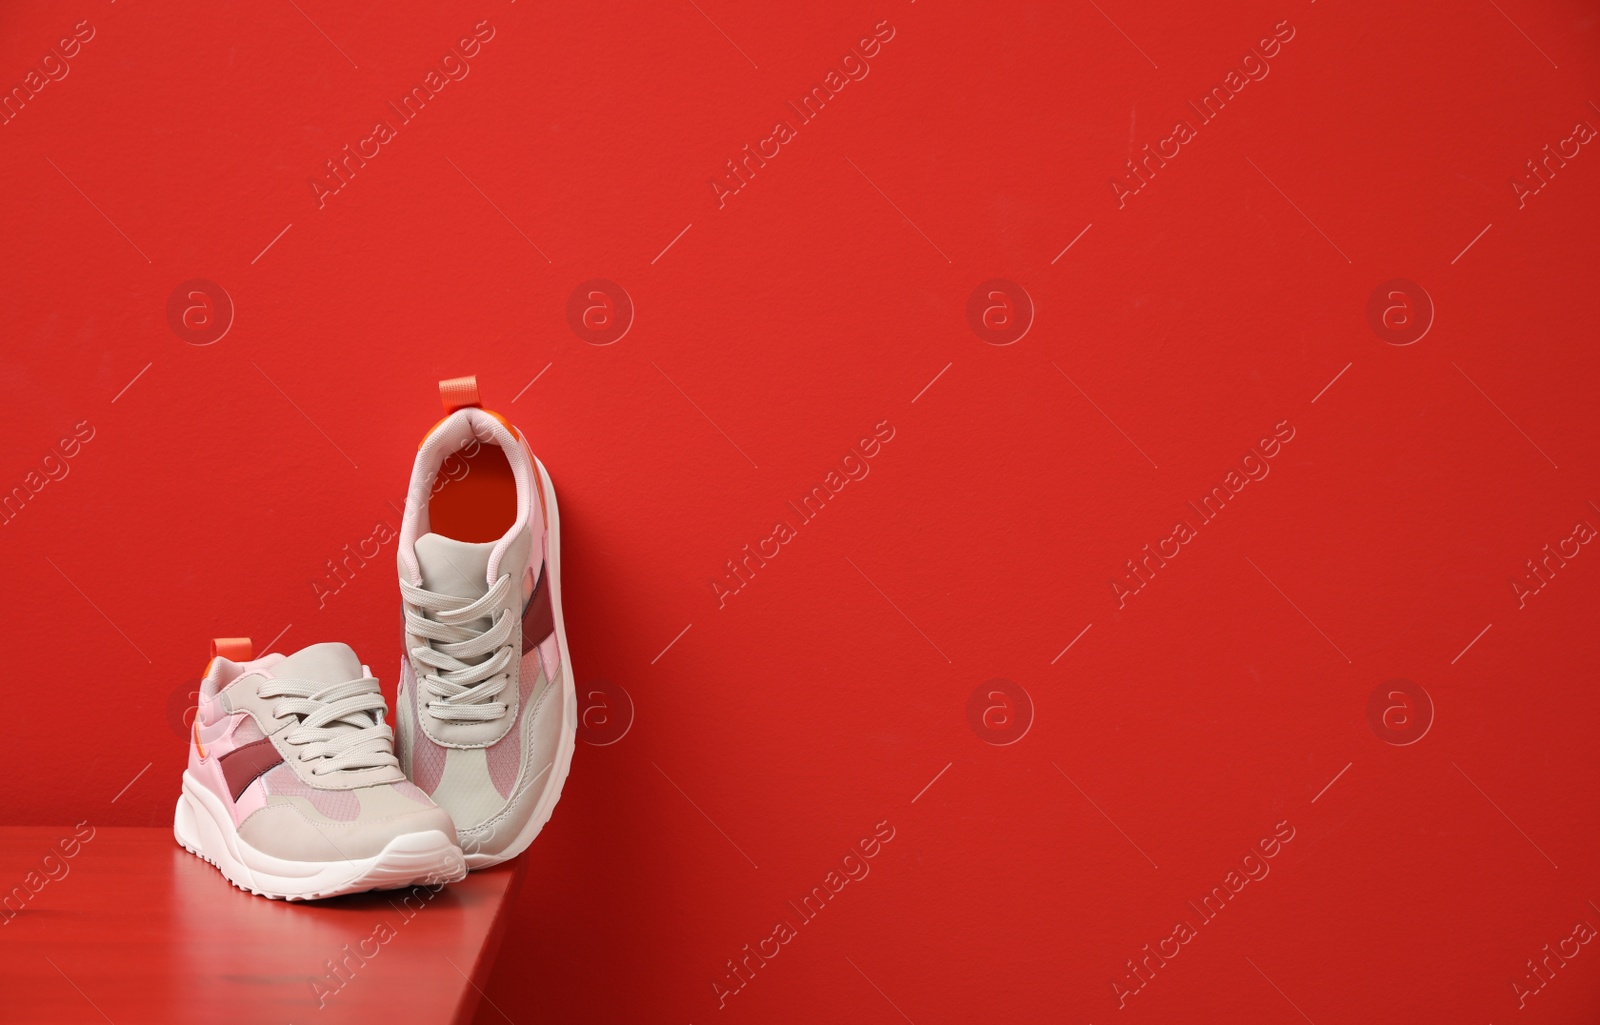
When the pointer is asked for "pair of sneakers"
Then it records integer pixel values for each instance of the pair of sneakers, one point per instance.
(297, 785)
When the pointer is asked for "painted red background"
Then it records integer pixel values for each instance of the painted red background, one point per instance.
(1168, 734)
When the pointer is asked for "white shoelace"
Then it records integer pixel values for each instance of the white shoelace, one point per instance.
(460, 690)
(341, 724)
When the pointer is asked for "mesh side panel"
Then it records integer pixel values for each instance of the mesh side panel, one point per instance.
(505, 760)
(410, 790)
(427, 758)
(468, 795)
(338, 805)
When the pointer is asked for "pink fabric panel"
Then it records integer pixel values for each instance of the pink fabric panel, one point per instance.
(413, 792)
(339, 805)
(427, 758)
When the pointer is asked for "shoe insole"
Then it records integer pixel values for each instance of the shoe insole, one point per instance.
(476, 500)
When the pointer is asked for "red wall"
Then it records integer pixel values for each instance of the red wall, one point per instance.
(1213, 315)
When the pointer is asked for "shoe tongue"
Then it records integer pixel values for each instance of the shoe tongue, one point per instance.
(457, 568)
(330, 663)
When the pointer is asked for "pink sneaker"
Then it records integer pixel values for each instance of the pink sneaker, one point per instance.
(293, 790)
(487, 708)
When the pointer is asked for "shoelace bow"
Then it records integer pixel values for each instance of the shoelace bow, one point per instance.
(341, 725)
(459, 689)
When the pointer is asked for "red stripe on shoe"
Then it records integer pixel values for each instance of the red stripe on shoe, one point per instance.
(538, 618)
(242, 765)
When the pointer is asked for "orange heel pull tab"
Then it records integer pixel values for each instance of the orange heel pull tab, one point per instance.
(235, 649)
(459, 392)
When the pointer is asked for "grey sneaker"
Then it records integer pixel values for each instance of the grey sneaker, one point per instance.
(487, 709)
(293, 790)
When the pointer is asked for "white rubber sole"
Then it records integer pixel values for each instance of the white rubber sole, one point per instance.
(557, 776)
(205, 829)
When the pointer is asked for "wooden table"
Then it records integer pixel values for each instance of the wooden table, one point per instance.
(131, 928)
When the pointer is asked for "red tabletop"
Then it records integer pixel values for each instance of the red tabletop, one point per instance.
(131, 928)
